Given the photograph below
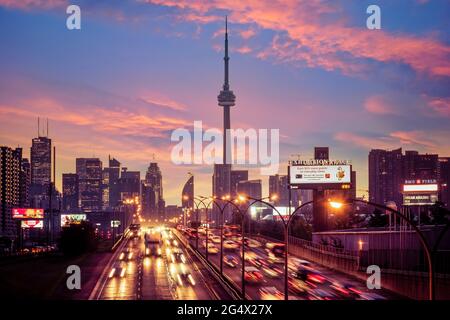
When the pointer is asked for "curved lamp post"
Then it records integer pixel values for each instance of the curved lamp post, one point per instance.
(337, 205)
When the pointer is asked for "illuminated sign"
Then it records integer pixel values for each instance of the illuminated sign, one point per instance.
(419, 199)
(32, 224)
(317, 175)
(115, 223)
(67, 219)
(420, 188)
(27, 213)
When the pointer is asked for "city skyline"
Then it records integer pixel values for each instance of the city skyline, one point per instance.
(401, 99)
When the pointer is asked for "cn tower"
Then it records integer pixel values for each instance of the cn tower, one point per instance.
(226, 100)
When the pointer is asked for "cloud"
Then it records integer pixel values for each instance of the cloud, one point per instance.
(247, 34)
(440, 106)
(243, 50)
(305, 35)
(432, 142)
(33, 4)
(378, 105)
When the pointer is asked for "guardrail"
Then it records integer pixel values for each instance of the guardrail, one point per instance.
(228, 285)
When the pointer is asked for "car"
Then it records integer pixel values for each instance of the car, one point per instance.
(272, 271)
(126, 255)
(177, 256)
(184, 277)
(153, 250)
(371, 296)
(345, 291)
(118, 270)
(230, 261)
(321, 294)
(252, 243)
(259, 262)
(252, 275)
(298, 286)
(215, 239)
(230, 245)
(212, 249)
(270, 293)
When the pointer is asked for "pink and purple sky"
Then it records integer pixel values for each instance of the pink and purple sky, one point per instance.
(139, 69)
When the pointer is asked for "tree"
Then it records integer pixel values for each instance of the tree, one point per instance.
(439, 215)
(77, 239)
(378, 219)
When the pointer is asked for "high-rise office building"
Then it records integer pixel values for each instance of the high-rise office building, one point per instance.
(187, 195)
(321, 153)
(113, 182)
(25, 179)
(250, 188)
(385, 176)
(236, 177)
(278, 188)
(41, 162)
(129, 184)
(10, 163)
(153, 203)
(89, 171)
(70, 191)
(444, 181)
(420, 166)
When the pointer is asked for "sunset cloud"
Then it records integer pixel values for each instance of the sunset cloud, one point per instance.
(307, 39)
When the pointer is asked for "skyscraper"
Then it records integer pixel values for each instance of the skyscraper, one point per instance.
(89, 171)
(41, 162)
(70, 191)
(278, 186)
(10, 162)
(236, 177)
(226, 99)
(385, 176)
(250, 188)
(444, 180)
(113, 180)
(153, 203)
(129, 184)
(187, 195)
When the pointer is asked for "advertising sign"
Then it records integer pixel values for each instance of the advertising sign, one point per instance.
(32, 224)
(67, 219)
(311, 176)
(27, 213)
(419, 199)
(115, 223)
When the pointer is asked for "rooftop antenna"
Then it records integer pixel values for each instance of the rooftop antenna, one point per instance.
(47, 128)
(39, 131)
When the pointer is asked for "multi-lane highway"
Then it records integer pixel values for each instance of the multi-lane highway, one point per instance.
(171, 270)
(265, 276)
(169, 273)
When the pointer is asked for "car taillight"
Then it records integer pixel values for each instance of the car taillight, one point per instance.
(258, 275)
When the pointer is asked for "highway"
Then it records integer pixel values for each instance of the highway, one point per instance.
(320, 284)
(130, 274)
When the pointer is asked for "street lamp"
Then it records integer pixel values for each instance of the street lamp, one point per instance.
(423, 241)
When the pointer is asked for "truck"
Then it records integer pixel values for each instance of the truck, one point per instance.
(152, 241)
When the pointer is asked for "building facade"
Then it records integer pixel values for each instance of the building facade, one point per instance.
(89, 171)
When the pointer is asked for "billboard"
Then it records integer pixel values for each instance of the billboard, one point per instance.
(115, 223)
(327, 176)
(32, 224)
(67, 219)
(419, 199)
(27, 213)
(420, 187)
(420, 192)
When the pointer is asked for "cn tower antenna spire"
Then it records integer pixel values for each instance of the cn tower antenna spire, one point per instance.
(226, 59)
